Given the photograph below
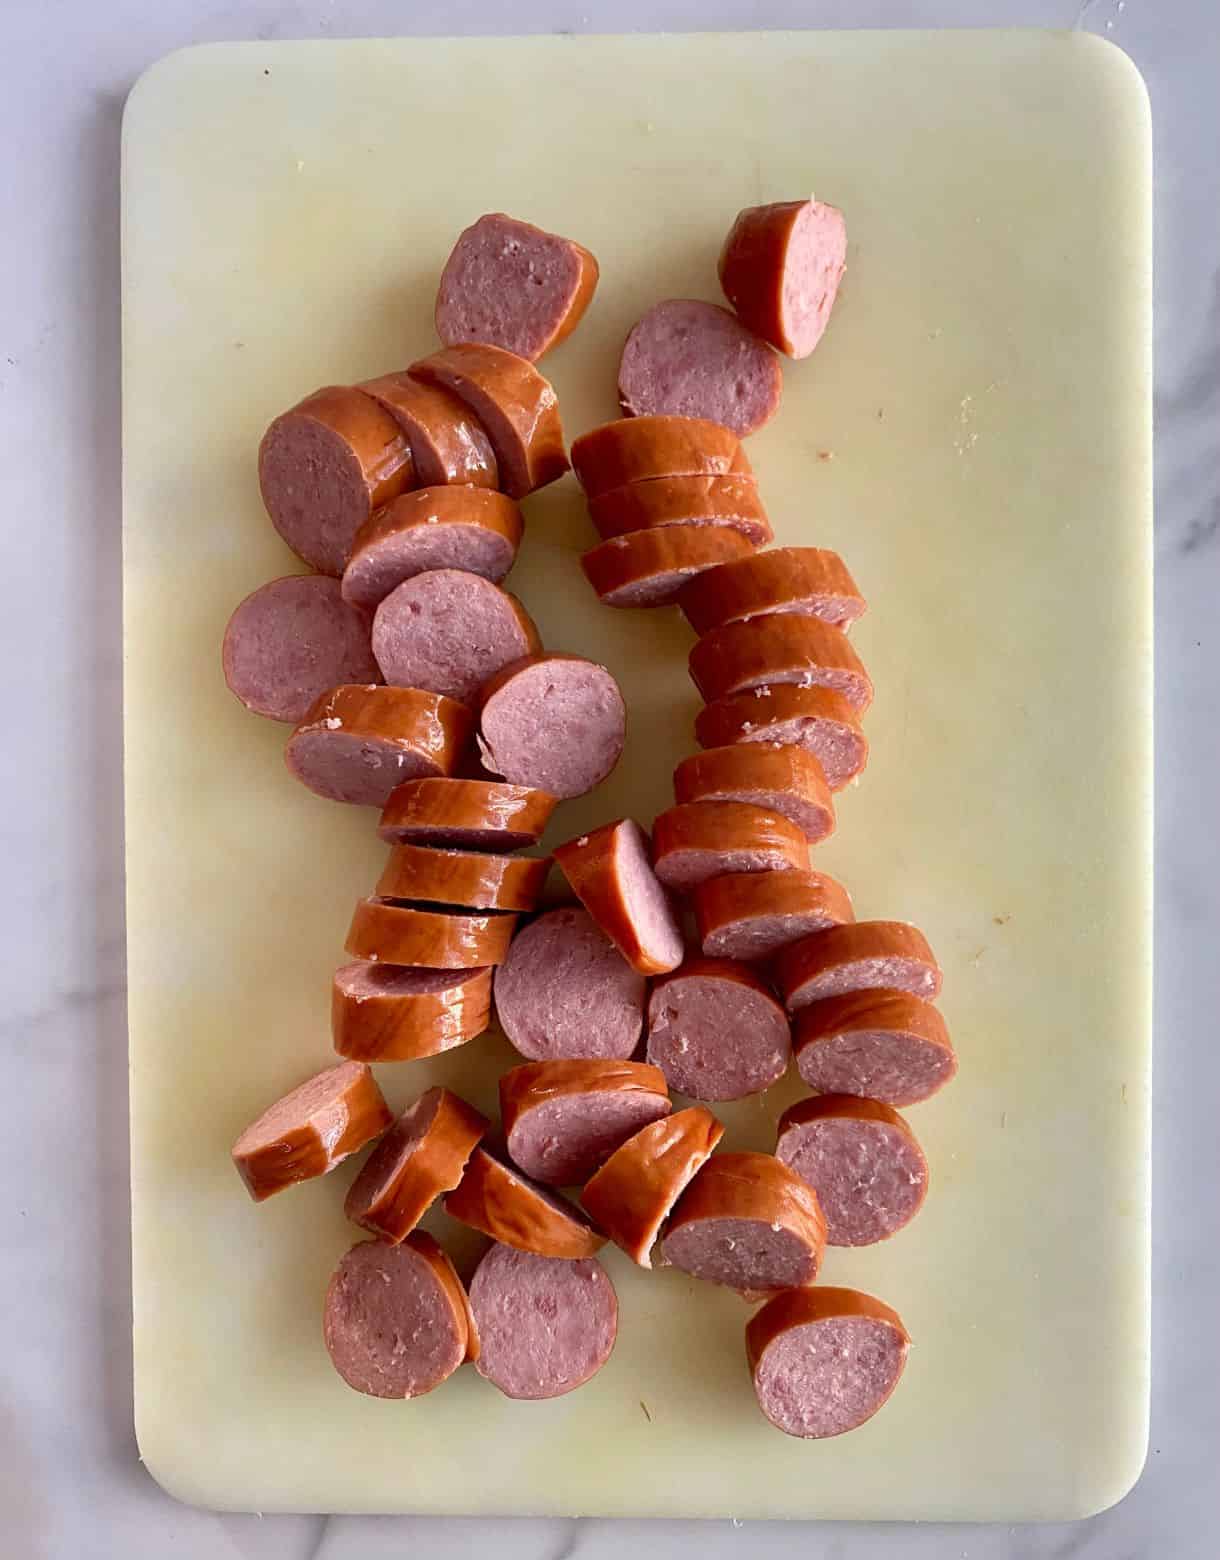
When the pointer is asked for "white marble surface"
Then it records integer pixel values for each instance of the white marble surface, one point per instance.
(70, 1481)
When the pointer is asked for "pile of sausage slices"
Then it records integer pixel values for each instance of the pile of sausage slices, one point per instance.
(700, 960)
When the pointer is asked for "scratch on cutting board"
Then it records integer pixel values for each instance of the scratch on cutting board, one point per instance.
(1003, 1118)
(977, 958)
(647, 1415)
(1002, 920)
(1123, 1092)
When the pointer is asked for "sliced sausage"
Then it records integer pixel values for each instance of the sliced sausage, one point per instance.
(752, 915)
(468, 528)
(749, 1222)
(565, 990)
(447, 441)
(610, 872)
(514, 285)
(395, 1013)
(555, 722)
(732, 502)
(650, 568)
(864, 956)
(862, 1160)
(497, 1199)
(634, 449)
(311, 1129)
(290, 641)
(545, 1325)
(884, 1045)
(387, 933)
(397, 1321)
(449, 631)
(699, 840)
(360, 741)
(475, 814)
(324, 466)
(515, 404)
(809, 580)
(694, 359)
(633, 1193)
(563, 1119)
(716, 1031)
(815, 718)
(422, 1155)
(824, 1360)
(785, 780)
(468, 879)
(780, 268)
(778, 648)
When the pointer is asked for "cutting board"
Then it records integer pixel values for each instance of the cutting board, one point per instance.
(972, 435)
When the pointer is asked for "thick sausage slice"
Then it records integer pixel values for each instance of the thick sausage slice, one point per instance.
(890, 955)
(807, 580)
(393, 1013)
(516, 405)
(824, 1360)
(815, 718)
(475, 814)
(634, 449)
(650, 568)
(632, 1194)
(311, 1129)
(468, 528)
(563, 1119)
(447, 442)
(885, 1045)
(360, 741)
(749, 1222)
(388, 933)
(545, 1325)
(497, 1199)
(422, 1155)
(699, 840)
(751, 915)
(778, 648)
(449, 631)
(324, 466)
(397, 1321)
(468, 879)
(290, 641)
(716, 1031)
(695, 359)
(785, 780)
(861, 1159)
(555, 722)
(611, 874)
(780, 268)
(665, 501)
(515, 286)
(565, 990)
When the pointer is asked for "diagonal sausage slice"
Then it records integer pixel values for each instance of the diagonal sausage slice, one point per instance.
(396, 1013)
(650, 568)
(779, 648)
(752, 915)
(387, 933)
(886, 1045)
(499, 1200)
(470, 880)
(447, 441)
(563, 1119)
(695, 841)
(611, 874)
(731, 502)
(784, 780)
(866, 955)
(635, 449)
(475, 814)
(780, 268)
(809, 580)
(815, 718)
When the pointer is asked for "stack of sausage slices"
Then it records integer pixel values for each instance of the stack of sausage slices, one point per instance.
(418, 685)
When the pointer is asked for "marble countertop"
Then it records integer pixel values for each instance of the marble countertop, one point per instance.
(71, 1484)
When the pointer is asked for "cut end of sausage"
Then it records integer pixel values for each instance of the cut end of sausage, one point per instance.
(611, 874)
(780, 268)
(344, 767)
(744, 1254)
(881, 1045)
(563, 1119)
(716, 1032)
(554, 722)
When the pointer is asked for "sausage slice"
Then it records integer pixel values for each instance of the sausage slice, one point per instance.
(397, 1321)
(514, 285)
(748, 1222)
(824, 1360)
(885, 1045)
(780, 268)
(565, 991)
(716, 1031)
(396, 1013)
(324, 466)
(664, 501)
(778, 648)
(468, 879)
(498, 1200)
(784, 780)
(694, 359)
(632, 1194)
(360, 741)
(563, 1119)
(634, 449)
(752, 915)
(449, 631)
(866, 955)
(475, 814)
(815, 718)
(555, 722)
(447, 442)
(311, 1129)
(650, 568)
(545, 1326)
(809, 580)
(290, 641)
(699, 840)
(611, 874)
(387, 933)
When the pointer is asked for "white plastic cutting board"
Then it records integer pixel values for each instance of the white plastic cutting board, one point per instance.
(972, 435)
